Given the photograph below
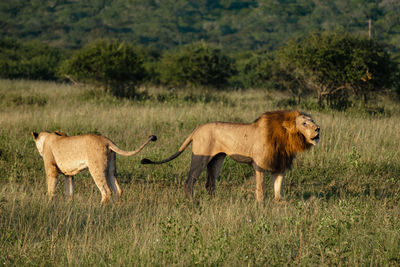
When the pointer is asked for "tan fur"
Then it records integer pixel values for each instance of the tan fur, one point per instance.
(269, 143)
(72, 154)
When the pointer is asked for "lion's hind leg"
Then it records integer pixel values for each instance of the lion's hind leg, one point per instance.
(196, 167)
(213, 170)
(112, 175)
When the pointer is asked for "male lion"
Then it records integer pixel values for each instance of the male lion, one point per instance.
(269, 143)
(72, 154)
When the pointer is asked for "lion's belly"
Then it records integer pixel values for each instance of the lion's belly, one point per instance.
(241, 158)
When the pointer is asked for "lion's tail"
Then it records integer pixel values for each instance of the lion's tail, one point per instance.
(180, 150)
(116, 149)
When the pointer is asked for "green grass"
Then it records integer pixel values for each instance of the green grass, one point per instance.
(343, 196)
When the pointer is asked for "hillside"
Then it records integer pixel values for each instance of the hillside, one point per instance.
(239, 25)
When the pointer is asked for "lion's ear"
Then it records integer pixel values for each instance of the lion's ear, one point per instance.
(35, 135)
(289, 126)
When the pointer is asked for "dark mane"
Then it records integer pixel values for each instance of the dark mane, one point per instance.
(283, 138)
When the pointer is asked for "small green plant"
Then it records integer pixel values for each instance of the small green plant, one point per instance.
(353, 157)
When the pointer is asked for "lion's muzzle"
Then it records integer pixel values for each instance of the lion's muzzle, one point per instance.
(316, 137)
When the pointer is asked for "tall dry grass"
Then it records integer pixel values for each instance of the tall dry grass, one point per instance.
(342, 196)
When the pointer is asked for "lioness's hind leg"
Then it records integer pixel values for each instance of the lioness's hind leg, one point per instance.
(100, 178)
(213, 170)
(112, 175)
(196, 167)
(51, 179)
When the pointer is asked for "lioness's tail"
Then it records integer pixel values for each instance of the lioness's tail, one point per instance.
(180, 150)
(116, 149)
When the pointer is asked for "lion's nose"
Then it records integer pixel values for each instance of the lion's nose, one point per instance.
(317, 130)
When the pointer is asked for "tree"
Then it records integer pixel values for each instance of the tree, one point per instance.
(263, 70)
(337, 65)
(196, 65)
(112, 65)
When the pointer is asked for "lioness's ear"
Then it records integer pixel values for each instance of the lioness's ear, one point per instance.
(60, 133)
(35, 135)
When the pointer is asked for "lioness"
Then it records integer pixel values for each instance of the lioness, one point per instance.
(269, 143)
(72, 154)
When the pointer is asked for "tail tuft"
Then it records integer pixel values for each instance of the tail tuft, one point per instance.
(153, 138)
(146, 161)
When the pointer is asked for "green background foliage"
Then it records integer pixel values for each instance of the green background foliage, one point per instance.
(196, 65)
(224, 43)
(234, 25)
(29, 60)
(336, 65)
(113, 65)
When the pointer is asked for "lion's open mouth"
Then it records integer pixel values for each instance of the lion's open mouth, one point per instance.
(316, 138)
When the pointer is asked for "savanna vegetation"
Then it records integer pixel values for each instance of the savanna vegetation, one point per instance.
(342, 196)
(128, 69)
(338, 51)
(334, 67)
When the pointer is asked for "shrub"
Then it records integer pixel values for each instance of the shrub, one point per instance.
(113, 66)
(196, 65)
(338, 65)
(31, 60)
(151, 56)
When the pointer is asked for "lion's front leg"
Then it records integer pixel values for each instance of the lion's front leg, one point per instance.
(260, 186)
(277, 179)
(69, 185)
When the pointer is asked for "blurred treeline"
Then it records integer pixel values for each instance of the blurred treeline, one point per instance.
(230, 24)
(320, 48)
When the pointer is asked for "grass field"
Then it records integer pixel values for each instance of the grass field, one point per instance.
(343, 196)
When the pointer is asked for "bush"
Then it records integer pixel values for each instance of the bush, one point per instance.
(248, 75)
(338, 65)
(32, 60)
(151, 56)
(113, 66)
(196, 65)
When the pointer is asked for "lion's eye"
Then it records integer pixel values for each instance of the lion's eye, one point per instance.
(304, 123)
